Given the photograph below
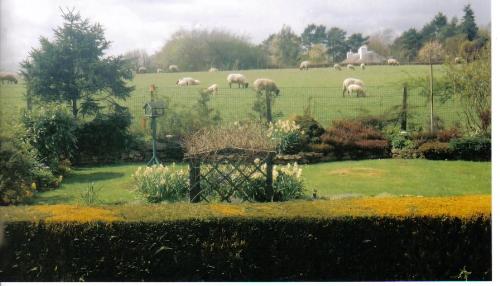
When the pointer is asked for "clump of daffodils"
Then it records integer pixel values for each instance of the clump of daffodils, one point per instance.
(161, 183)
(282, 127)
(288, 136)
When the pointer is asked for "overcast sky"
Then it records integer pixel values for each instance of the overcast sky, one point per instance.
(147, 24)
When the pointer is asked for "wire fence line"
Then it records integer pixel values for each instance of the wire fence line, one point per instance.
(325, 103)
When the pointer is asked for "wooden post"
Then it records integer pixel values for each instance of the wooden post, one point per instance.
(269, 177)
(269, 115)
(404, 109)
(432, 100)
(194, 181)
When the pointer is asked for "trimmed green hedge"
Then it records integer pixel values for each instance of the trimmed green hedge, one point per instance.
(231, 249)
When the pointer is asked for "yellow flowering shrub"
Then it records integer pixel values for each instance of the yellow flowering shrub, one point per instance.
(59, 213)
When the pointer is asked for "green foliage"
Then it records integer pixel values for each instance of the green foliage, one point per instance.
(232, 249)
(336, 44)
(51, 131)
(21, 174)
(181, 122)
(471, 84)
(199, 50)
(355, 41)
(283, 48)
(472, 148)
(468, 25)
(160, 183)
(312, 129)
(73, 69)
(105, 137)
(435, 151)
(89, 195)
(313, 34)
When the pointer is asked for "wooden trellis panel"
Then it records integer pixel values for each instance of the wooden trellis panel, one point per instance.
(231, 168)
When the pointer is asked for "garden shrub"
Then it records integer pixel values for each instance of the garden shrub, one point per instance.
(312, 129)
(354, 140)
(256, 249)
(288, 184)
(51, 131)
(105, 137)
(21, 174)
(435, 150)
(473, 148)
(289, 136)
(161, 183)
(321, 148)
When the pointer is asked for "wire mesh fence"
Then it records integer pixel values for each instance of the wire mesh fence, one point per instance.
(326, 104)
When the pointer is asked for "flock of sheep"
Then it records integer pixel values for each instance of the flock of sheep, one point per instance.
(261, 84)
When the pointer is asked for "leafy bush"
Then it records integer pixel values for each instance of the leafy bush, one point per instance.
(20, 172)
(161, 183)
(311, 128)
(105, 137)
(321, 148)
(288, 135)
(51, 131)
(473, 148)
(288, 184)
(355, 140)
(435, 150)
(257, 249)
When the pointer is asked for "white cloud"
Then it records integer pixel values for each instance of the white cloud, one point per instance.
(148, 24)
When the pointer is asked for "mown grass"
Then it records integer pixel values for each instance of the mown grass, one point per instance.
(383, 178)
(461, 206)
(323, 85)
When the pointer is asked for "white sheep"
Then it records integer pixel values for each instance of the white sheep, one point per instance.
(213, 70)
(351, 67)
(9, 77)
(304, 65)
(458, 60)
(392, 62)
(264, 84)
(348, 81)
(213, 89)
(337, 67)
(158, 70)
(141, 70)
(173, 68)
(357, 89)
(237, 78)
(187, 81)
(362, 66)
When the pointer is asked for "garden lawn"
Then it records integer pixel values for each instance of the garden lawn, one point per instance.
(389, 177)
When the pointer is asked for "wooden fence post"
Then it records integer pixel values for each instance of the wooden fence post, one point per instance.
(404, 109)
(269, 177)
(194, 181)
(269, 115)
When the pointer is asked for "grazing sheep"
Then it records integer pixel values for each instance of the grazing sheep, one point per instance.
(213, 70)
(362, 66)
(337, 67)
(351, 67)
(213, 89)
(358, 89)
(237, 78)
(264, 84)
(141, 70)
(304, 65)
(9, 77)
(187, 81)
(458, 60)
(158, 70)
(392, 62)
(348, 81)
(173, 68)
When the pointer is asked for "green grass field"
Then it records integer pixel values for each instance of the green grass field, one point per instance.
(388, 177)
(322, 85)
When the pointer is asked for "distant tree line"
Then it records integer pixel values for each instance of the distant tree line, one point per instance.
(199, 50)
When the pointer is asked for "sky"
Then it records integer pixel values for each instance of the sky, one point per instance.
(148, 24)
